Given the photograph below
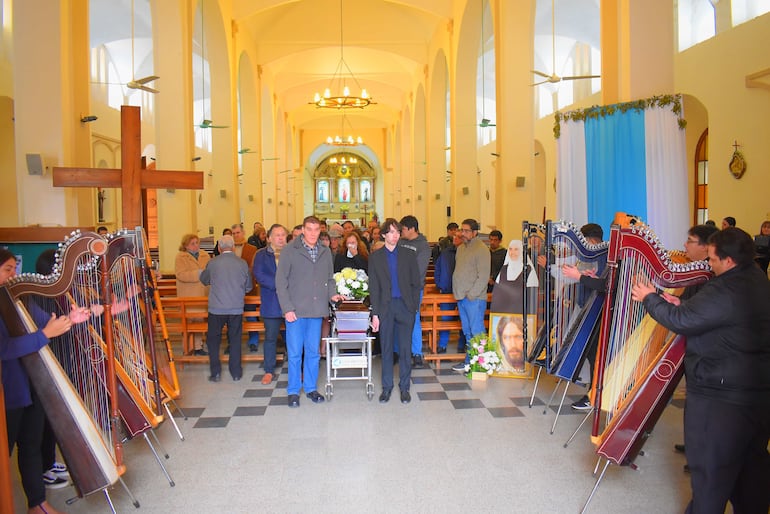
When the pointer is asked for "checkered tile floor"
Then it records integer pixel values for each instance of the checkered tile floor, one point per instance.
(428, 385)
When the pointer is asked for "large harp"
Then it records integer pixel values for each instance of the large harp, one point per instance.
(90, 446)
(639, 362)
(571, 312)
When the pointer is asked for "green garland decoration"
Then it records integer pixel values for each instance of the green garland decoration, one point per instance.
(672, 101)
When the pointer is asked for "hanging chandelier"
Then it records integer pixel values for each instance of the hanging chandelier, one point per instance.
(337, 95)
(340, 140)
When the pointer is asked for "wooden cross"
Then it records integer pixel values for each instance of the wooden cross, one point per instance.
(131, 178)
(736, 145)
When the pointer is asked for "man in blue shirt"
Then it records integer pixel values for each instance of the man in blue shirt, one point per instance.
(394, 291)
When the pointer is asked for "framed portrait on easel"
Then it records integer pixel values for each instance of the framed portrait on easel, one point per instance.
(507, 330)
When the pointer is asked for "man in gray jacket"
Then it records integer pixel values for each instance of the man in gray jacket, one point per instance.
(304, 283)
(469, 283)
(230, 280)
(412, 239)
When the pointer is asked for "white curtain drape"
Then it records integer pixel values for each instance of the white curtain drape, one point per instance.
(668, 206)
(571, 189)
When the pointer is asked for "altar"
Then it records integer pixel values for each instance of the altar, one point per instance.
(344, 189)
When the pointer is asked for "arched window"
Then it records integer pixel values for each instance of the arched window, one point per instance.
(702, 178)
(121, 51)
(696, 22)
(486, 104)
(566, 44)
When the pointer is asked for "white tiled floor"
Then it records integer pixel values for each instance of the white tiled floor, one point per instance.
(353, 455)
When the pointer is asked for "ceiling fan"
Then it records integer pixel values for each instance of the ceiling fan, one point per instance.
(553, 78)
(142, 84)
(207, 124)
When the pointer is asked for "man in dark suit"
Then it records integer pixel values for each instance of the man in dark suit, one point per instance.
(394, 289)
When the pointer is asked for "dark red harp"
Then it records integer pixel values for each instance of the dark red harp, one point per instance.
(639, 363)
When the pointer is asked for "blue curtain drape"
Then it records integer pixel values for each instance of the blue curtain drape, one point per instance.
(615, 167)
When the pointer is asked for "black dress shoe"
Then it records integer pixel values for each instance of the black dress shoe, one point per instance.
(406, 397)
(441, 350)
(236, 378)
(385, 396)
(679, 448)
(293, 400)
(417, 361)
(201, 352)
(315, 397)
(253, 348)
(215, 378)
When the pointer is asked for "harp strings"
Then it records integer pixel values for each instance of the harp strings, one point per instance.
(129, 324)
(635, 340)
(77, 352)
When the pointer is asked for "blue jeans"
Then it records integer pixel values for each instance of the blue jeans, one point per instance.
(443, 335)
(303, 335)
(472, 318)
(272, 328)
(253, 335)
(417, 331)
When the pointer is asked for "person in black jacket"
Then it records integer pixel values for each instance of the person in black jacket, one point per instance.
(353, 254)
(394, 291)
(727, 366)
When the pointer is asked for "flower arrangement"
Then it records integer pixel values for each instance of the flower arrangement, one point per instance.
(352, 283)
(483, 357)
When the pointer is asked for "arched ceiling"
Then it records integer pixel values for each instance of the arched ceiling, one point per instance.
(384, 42)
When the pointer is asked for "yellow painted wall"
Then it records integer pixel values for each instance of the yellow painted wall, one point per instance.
(714, 72)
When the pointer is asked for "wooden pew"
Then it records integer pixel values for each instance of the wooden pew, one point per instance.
(188, 316)
(431, 320)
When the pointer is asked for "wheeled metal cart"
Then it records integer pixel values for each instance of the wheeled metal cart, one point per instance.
(349, 347)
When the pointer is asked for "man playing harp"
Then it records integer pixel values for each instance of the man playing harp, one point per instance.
(727, 365)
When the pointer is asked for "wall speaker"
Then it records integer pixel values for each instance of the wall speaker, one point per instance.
(520, 181)
(222, 193)
(466, 190)
(438, 196)
(448, 211)
(35, 164)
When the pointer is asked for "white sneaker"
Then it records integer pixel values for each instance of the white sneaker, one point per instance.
(52, 481)
(60, 470)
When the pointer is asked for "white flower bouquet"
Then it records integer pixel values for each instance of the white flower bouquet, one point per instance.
(353, 284)
(483, 357)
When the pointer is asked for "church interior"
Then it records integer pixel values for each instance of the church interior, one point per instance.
(187, 116)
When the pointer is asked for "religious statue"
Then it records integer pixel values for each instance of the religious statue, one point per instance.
(100, 197)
